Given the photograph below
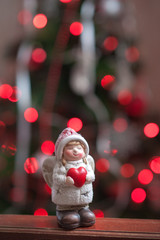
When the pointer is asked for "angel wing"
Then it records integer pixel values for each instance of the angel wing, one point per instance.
(91, 162)
(47, 169)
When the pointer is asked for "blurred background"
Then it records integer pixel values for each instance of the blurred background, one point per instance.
(92, 66)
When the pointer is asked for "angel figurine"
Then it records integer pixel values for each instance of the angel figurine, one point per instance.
(70, 174)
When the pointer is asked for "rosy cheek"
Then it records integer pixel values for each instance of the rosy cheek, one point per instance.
(81, 154)
(68, 153)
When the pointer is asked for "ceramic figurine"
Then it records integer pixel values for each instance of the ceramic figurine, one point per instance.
(70, 174)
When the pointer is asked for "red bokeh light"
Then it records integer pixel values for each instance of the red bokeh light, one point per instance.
(114, 152)
(5, 91)
(132, 54)
(41, 212)
(124, 97)
(3, 147)
(155, 164)
(127, 170)
(16, 94)
(138, 195)
(48, 147)
(65, 1)
(76, 28)
(145, 176)
(24, 17)
(136, 107)
(98, 213)
(110, 43)
(31, 115)
(11, 149)
(40, 21)
(151, 130)
(102, 165)
(2, 125)
(39, 55)
(107, 81)
(75, 123)
(31, 165)
(120, 124)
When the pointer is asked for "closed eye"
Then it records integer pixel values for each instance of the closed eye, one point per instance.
(70, 147)
(79, 147)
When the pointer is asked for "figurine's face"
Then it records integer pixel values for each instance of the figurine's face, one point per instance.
(73, 152)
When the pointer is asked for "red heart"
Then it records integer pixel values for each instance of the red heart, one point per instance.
(78, 175)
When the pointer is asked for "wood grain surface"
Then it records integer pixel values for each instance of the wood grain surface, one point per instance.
(28, 227)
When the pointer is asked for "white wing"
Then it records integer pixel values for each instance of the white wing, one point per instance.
(47, 169)
(91, 162)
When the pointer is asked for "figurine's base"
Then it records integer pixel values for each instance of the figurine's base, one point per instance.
(74, 219)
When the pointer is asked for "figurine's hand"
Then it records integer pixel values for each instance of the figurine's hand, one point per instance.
(69, 180)
(88, 178)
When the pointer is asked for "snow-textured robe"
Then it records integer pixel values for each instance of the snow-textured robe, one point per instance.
(69, 195)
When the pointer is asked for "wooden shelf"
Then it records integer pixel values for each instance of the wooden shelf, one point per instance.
(28, 227)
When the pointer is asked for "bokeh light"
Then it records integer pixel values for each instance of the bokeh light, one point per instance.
(9, 149)
(124, 97)
(40, 212)
(102, 165)
(151, 130)
(132, 54)
(65, 1)
(24, 17)
(107, 81)
(120, 124)
(75, 123)
(31, 115)
(76, 28)
(138, 195)
(155, 164)
(98, 213)
(114, 151)
(16, 94)
(48, 147)
(40, 21)
(31, 165)
(2, 127)
(136, 107)
(127, 170)
(145, 176)
(110, 43)
(5, 91)
(39, 55)
(3, 148)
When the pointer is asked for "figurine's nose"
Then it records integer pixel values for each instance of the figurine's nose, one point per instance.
(75, 150)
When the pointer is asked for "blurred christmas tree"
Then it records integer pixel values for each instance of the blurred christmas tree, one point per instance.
(78, 65)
